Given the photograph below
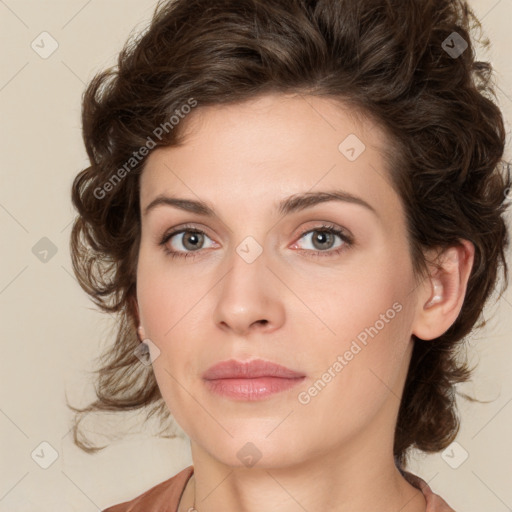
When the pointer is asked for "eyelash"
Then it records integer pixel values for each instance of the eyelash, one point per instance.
(324, 228)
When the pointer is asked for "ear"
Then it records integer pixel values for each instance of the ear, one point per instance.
(134, 310)
(441, 294)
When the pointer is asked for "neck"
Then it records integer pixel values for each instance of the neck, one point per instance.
(327, 482)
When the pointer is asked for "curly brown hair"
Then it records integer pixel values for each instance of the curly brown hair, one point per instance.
(396, 62)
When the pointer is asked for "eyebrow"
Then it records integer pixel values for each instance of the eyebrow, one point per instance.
(292, 204)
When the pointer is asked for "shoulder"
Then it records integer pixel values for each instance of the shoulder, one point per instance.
(434, 502)
(163, 497)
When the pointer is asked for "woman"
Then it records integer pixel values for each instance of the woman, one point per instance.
(295, 207)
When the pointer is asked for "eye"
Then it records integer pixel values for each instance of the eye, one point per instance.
(323, 237)
(188, 240)
(191, 239)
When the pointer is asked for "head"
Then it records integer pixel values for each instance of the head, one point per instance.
(242, 108)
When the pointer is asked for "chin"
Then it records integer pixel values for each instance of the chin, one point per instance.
(252, 449)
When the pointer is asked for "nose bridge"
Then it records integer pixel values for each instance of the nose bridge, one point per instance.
(247, 272)
(246, 296)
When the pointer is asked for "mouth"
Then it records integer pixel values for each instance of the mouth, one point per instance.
(253, 380)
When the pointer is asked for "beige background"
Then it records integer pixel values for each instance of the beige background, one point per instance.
(51, 332)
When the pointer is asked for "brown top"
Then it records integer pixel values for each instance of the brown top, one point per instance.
(165, 496)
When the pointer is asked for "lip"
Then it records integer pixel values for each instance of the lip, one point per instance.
(250, 380)
(234, 369)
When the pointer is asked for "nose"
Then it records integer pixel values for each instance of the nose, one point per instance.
(249, 297)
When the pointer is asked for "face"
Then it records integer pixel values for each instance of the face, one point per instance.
(322, 287)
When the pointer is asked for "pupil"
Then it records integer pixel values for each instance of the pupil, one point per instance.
(193, 239)
(322, 237)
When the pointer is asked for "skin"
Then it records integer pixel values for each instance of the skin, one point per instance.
(335, 452)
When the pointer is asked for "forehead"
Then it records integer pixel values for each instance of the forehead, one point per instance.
(264, 149)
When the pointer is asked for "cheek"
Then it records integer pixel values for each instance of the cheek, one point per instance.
(165, 294)
(168, 306)
(365, 301)
(356, 379)
(368, 317)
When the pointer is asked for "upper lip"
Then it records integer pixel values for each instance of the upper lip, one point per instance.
(233, 369)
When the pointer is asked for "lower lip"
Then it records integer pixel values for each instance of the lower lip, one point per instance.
(251, 389)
